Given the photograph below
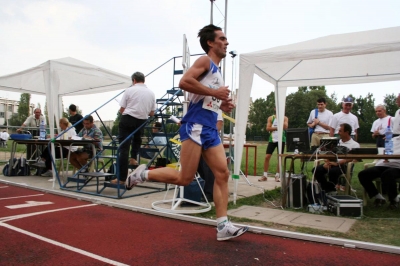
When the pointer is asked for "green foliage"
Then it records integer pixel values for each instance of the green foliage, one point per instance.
(114, 129)
(364, 109)
(105, 129)
(23, 111)
(300, 104)
(259, 112)
(390, 103)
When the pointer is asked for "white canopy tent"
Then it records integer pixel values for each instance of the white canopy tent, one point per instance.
(360, 57)
(63, 77)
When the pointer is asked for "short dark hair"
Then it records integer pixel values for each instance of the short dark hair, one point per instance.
(138, 76)
(346, 128)
(206, 34)
(89, 118)
(72, 107)
(321, 100)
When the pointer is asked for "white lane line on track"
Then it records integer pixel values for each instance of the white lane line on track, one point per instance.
(56, 243)
(34, 195)
(15, 217)
(4, 187)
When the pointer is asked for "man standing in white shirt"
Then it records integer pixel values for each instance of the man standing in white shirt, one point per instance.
(379, 126)
(319, 122)
(3, 138)
(344, 116)
(137, 104)
(396, 120)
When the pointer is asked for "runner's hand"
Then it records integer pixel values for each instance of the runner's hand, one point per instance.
(222, 93)
(227, 105)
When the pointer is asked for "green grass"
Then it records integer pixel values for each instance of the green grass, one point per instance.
(378, 225)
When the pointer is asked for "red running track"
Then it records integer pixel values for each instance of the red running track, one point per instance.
(89, 234)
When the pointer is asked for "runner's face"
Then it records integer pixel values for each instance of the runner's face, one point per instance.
(220, 44)
(398, 101)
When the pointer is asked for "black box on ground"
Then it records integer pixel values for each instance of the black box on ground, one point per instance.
(193, 191)
(344, 205)
(296, 191)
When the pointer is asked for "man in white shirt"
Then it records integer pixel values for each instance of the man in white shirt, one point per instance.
(33, 121)
(3, 138)
(319, 122)
(379, 126)
(344, 116)
(396, 120)
(137, 104)
(335, 169)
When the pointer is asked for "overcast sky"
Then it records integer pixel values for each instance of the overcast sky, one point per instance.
(129, 36)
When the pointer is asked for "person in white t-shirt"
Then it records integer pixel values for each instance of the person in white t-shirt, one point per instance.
(319, 123)
(346, 117)
(335, 169)
(396, 120)
(379, 126)
(137, 104)
(3, 138)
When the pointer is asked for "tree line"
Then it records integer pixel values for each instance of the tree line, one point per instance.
(300, 103)
(298, 107)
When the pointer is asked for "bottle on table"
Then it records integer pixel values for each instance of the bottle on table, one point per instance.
(42, 129)
(388, 141)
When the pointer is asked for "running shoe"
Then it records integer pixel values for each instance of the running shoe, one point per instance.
(230, 231)
(40, 164)
(134, 178)
(49, 173)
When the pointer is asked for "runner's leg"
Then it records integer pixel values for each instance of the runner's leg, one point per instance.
(216, 160)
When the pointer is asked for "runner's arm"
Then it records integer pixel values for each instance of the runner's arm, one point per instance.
(190, 80)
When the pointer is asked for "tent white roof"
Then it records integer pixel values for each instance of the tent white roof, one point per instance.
(60, 77)
(360, 57)
(69, 75)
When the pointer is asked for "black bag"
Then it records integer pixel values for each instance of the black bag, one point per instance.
(19, 167)
(111, 170)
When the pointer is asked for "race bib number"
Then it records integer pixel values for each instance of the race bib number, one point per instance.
(211, 103)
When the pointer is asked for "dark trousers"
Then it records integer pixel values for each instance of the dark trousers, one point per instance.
(380, 142)
(388, 176)
(46, 155)
(127, 125)
(333, 174)
(208, 176)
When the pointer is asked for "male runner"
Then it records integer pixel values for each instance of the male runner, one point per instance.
(198, 133)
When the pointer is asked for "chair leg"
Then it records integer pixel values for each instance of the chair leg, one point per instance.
(365, 197)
